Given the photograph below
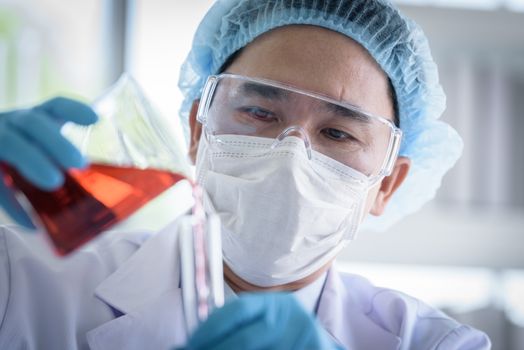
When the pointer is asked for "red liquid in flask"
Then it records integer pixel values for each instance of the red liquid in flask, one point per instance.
(91, 200)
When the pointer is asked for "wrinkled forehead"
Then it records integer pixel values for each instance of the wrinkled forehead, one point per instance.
(318, 60)
(275, 94)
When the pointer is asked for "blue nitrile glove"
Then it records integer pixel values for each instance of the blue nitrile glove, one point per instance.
(261, 321)
(31, 142)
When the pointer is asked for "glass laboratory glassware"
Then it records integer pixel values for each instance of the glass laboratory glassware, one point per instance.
(201, 270)
(133, 160)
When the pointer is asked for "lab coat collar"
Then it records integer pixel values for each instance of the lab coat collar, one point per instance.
(345, 319)
(146, 275)
(145, 289)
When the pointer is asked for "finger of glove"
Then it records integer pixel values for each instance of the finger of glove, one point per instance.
(227, 320)
(297, 326)
(11, 206)
(64, 109)
(306, 333)
(303, 331)
(29, 160)
(45, 132)
(256, 335)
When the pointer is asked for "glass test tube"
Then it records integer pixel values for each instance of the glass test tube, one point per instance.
(201, 263)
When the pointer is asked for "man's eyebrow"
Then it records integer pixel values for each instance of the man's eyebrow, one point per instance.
(265, 91)
(342, 111)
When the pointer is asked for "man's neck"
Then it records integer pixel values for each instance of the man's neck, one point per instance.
(239, 285)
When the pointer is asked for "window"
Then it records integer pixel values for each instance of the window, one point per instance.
(49, 47)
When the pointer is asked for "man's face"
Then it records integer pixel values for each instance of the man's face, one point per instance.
(325, 62)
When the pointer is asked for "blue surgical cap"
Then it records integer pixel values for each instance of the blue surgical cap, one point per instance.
(396, 43)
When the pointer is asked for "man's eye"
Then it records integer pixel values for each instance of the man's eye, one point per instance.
(338, 135)
(258, 113)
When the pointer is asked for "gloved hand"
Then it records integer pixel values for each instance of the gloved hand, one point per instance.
(261, 321)
(31, 142)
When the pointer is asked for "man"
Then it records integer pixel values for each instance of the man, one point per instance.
(296, 139)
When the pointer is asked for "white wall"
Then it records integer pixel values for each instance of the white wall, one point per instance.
(449, 236)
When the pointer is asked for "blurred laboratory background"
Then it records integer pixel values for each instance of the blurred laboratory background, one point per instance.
(463, 252)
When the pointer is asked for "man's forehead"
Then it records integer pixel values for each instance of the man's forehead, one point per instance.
(318, 60)
(269, 92)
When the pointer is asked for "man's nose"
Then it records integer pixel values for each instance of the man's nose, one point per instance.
(296, 131)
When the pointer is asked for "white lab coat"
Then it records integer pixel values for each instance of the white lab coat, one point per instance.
(123, 293)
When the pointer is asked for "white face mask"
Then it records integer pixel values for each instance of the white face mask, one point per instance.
(283, 215)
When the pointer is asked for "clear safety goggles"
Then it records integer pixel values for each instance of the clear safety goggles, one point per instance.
(239, 105)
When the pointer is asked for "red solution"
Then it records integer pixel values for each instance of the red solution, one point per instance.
(91, 200)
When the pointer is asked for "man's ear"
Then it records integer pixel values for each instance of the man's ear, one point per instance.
(390, 184)
(195, 130)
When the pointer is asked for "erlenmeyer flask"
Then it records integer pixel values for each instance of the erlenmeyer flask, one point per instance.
(133, 160)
